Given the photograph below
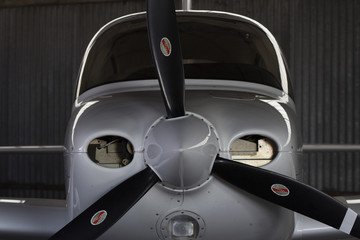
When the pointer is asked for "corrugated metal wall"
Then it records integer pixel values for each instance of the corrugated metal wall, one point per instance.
(41, 49)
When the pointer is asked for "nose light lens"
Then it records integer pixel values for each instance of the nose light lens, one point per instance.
(181, 225)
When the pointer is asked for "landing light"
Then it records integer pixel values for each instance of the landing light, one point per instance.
(181, 228)
(182, 225)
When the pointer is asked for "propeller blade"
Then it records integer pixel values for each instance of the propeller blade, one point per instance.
(289, 193)
(106, 211)
(166, 51)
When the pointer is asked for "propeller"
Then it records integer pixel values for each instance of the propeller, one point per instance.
(273, 187)
(106, 211)
(166, 50)
(289, 193)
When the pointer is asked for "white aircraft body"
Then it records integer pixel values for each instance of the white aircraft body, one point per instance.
(222, 160)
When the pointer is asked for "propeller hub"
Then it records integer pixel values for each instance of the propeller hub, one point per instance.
(181, 151)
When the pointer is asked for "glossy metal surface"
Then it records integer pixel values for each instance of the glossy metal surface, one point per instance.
(181, 151)
(245, 113)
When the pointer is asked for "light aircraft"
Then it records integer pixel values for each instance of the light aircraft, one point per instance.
(220, 161)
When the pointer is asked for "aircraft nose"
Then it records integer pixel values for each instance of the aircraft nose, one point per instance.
(181, 151)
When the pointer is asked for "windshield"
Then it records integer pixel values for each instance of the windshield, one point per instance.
(212, 48)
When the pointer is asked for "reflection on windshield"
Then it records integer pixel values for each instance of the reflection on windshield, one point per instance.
(212, 47)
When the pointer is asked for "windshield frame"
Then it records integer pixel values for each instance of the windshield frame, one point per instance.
(139, 18)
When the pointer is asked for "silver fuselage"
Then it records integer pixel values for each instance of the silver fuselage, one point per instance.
(129, 109)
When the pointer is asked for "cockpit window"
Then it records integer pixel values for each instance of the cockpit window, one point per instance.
(212, 47)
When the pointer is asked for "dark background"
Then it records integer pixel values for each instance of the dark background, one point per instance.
(42, 43)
